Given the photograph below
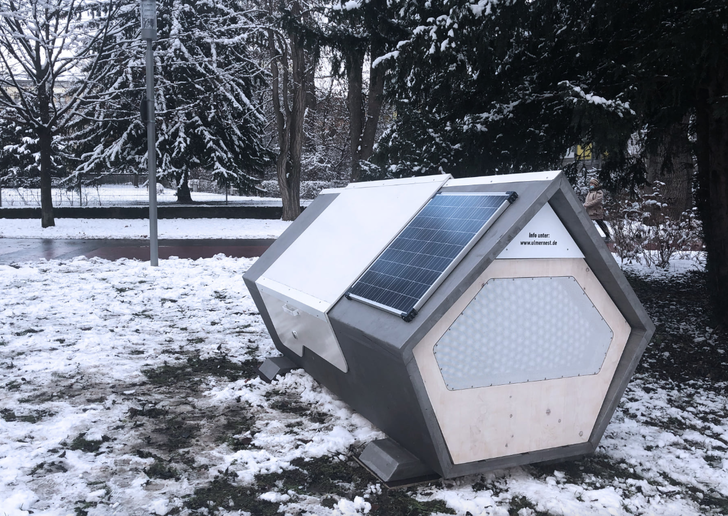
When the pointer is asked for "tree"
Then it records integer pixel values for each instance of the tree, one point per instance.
(669, 60)
(508, 86)
(287, 41)
(18, 149)
(362, 33)
(48, 65)
(207, 87)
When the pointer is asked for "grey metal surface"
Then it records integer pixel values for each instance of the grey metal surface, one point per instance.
(296, 328)
(273, 253)
(273, 367)
(392, 463)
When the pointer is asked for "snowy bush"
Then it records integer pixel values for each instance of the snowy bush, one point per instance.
(643, 230)
(309, 189)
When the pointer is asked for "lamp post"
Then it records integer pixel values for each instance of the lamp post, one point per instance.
(149, 33)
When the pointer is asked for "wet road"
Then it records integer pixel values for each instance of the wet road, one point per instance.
(14, 250)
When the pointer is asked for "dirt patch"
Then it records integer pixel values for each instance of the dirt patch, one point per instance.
(195, 368)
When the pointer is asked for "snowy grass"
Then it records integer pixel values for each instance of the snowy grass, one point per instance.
(139, 228)
(128, 389)
(108, 195)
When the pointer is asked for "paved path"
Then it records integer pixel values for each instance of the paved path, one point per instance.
(14, 250)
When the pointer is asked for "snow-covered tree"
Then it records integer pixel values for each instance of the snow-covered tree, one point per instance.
(48, 66)
(496, 86)
(362, 35)
(18, 154)
(470, 90)
(207, 99)
(671, 60)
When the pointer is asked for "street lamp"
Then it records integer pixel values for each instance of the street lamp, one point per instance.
(149, 33)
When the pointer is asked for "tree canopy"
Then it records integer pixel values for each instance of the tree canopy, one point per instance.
(498, 87)
(207, 98)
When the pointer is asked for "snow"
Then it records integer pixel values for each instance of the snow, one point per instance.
(139, 228)
(113, 195)
(84, 420)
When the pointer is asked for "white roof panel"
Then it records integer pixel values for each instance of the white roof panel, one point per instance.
(348, 236)
(548, 175)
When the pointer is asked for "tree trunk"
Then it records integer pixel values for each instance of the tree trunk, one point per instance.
(364, 119)
(712, 155)
(354, 99)
(295, 123)
(183, 190)
(672, 164)
(45, 141)
(289, 116)
(374, 102)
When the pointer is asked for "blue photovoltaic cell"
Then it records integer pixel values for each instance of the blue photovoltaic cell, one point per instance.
(422, 252)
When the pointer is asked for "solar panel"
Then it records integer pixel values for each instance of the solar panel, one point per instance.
(419, 259)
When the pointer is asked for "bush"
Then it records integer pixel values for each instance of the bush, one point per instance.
(643, 230)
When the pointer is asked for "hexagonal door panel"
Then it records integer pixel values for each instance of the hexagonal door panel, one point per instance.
(523, 360)
(523, 330)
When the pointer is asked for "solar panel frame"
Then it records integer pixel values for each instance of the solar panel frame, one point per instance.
(476, 228)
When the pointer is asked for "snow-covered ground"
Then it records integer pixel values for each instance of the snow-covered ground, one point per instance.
(108, 195)
(139, 228)
(131, 390)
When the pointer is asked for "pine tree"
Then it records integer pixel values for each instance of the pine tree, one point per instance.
(207, 98)
(508, 86)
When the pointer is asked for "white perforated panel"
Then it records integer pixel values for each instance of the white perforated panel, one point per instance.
(523, 330)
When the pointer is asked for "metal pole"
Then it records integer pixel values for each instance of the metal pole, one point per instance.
(152, 160)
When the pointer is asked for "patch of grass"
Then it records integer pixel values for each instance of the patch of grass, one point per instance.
(715, 461)
(321, 476)
(46, 468)
(177, 433)
(238, 423)
(196, 367)
(81, 443)
(160, 470)
(29, 331)
(288, 405)
(400, 502)
(152, 412)
(519, 503)
(329, 502)
(13, 385)
(284, 403)
(83, 507)
(598, 466)
(714, 502)
(33, 417)
(223, 494)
